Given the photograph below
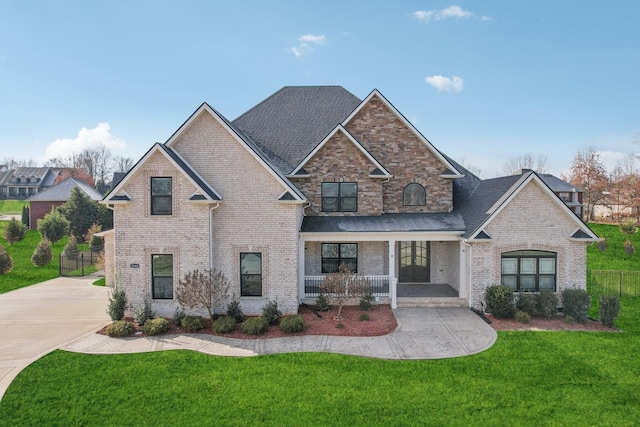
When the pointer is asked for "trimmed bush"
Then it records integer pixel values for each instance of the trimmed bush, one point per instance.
(271, 314)
(234, 310)
(366, 301)
(609, 309)
(576, 304)
(322, 304)
(224, 325)
(6, 262)
(254, 326)
(522, 316)
(192, 323)
(54, 226)
(97, 241)
(120, 328)
(14, 231)
(178, 315)
(117, 304)
(526, 302)
(293, 323)
(546, 303)
(500, 302)
(364, 317)
(43, 254)
(156, 326)
(143, 312)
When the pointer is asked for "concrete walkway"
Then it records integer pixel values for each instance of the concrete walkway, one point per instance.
(64, 313)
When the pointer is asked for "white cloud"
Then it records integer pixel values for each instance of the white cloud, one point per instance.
(87, 138)
(306, 44)
(445, 84)
(451, 12)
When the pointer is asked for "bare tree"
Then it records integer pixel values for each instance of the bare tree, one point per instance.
(202, 289)
(122, 163)
(624, 197)
(515, 165)
(588, 173)
(470, 167)
(342, 286)
(12, 163)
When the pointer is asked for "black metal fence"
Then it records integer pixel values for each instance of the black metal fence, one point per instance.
(613, 282)
(79, 263)
(379, 285)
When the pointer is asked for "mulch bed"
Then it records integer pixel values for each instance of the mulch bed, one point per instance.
(381, 322)
(556, 323)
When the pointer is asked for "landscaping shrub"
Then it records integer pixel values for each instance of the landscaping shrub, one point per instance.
(70, 250)
(178, 315)
(546, 303)
(234, 310)
(192, 323)
(254, 326)
(224, 325)
(88, 237)
(500, 302)
(366, 301)
(143, 312)
(522, 316)
(42, 254)
(271, 314)
(53, 226)
(25, 216)
(576, 303)
(322, 304)
(609, 309)
(117, 304)
(120, 328)
(14, 231)
(96, 241)
(526, 302)
(6, 262)
(293, 323)
(156, 326)
(364, 317)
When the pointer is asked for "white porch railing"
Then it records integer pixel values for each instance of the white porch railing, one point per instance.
(379, 285)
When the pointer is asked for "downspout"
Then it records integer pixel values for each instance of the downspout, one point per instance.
(216, 206)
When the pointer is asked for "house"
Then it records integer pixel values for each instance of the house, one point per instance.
(42, 203)
(24, 182)
(314, 177)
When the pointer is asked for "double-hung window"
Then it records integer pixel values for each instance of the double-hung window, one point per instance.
(339, 197)
(162, 276)
(250, 274)
(336, 254)
(529, 271)
(161, 196)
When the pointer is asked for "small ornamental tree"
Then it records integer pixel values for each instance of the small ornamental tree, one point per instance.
(628, 228)
(628, 247)
(53, 226)
(343, 285)
(6, 262)
(43, 254)
(88, 237)
(602, 244)
(25, 216)
(14, 231)
(202, 289)
(70, 250)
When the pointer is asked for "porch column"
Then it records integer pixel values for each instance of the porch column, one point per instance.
(392, 274)
(464, 269)
(301, 268)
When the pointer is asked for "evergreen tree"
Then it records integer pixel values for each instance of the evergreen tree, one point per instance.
(15, 231)
(80, 211)
(43, 254)
(53, 226)
(25, 216)
(6, 262)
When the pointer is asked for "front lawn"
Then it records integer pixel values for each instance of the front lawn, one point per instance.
(614, 258)
(12, 207)
(526, 378)
(24, 273)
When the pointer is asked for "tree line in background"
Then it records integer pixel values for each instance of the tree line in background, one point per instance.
(93, 165)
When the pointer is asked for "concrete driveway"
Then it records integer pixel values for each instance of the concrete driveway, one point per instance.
(41, 318)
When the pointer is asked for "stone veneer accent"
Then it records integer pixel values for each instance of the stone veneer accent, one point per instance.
(249, 218)
(339, 160)
(407, 158)
(519, 227)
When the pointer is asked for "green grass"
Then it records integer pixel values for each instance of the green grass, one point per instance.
(12, 207)
(526, 378)
(24, 273)
(100, 282)
(614, 258)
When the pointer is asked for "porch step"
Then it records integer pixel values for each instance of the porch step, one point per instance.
(407, 302)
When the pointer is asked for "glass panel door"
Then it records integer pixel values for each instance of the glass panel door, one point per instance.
(414, 262)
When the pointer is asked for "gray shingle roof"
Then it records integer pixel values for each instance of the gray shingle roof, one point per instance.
(62, 190)
(392, 222)
(290, 123)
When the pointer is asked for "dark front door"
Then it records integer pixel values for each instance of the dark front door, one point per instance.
(414, 262)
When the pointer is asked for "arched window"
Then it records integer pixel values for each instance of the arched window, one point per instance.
(414, 194)
(529, 271)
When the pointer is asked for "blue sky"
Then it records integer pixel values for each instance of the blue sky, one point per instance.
(484, 81)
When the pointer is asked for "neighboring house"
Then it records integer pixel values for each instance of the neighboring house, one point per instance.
(313, 177)
(570, 195)
(24, 182)
(42, 203)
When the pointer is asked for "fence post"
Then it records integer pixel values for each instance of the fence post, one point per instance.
(82, 263)
(620, 286)
(60, 265)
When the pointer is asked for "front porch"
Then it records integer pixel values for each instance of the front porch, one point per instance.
(405, 273)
